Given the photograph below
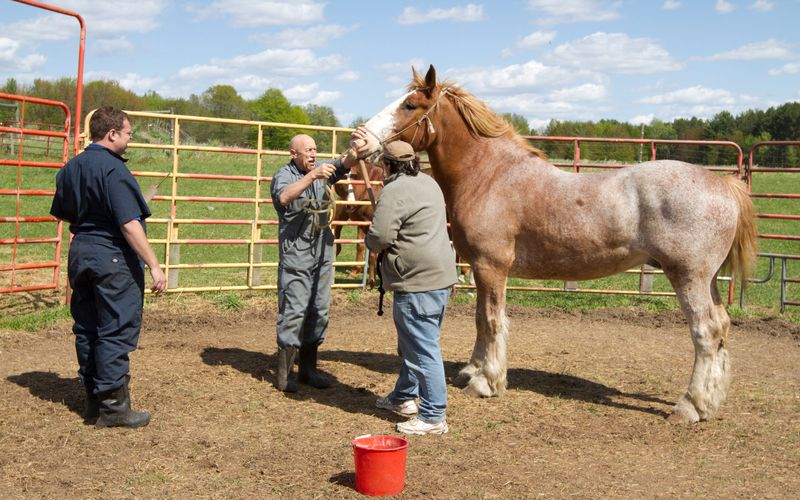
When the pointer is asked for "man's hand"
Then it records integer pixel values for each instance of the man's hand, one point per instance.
(359, 140)
(159, 280)
(323, 171)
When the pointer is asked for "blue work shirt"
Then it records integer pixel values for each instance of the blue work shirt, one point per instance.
(96, 194)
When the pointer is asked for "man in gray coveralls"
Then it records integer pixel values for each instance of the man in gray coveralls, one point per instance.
(305, 272)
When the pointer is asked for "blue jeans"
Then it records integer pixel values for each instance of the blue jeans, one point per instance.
(418, 318)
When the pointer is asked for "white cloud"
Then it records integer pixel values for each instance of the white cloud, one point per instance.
(306, 38)
(250, 86)
(768, 49)
(348, 76)
(301, 92)
(12, 62)
(585, 92)
(699, 101)
(533, 106)
(574, 11)
(324, 97)
(616, 53)
(762, 6)
(297, 63)
(724, 7)
(399, 73)
(695, 95)
(642, 119)
(538, 124)
(517, 78)
(104, 18)
(792, 68)
(264, 13)
(467, 14)
(532, 41)
(111, 45)
(671, 5)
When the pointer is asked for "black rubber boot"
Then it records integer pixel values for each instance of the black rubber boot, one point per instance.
(309, 374)
(115, 409)
(92, 406)
(286, 357)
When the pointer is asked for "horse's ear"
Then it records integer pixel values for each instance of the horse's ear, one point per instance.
(414, 75)
(430, 79)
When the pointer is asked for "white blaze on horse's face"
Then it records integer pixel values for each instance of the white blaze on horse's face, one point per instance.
(382, 125)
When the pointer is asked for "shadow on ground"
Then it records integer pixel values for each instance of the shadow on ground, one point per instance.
(51, 387)
(361, 400)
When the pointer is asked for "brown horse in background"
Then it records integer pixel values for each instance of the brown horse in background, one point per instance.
(358, 213)
(515, 214)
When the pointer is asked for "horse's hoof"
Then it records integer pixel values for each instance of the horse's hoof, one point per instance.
(683, 413)
(478, 387)
(464, 376)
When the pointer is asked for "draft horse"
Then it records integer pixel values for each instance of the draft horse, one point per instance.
(515, 214)
(358, 213)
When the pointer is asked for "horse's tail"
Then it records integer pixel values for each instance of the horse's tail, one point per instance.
(742, 255)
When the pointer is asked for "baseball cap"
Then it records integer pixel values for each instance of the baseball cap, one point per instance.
(398, 151)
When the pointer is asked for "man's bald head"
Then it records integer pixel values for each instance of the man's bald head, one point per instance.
(304, 152)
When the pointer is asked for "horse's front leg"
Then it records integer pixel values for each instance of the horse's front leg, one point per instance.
(485, 375)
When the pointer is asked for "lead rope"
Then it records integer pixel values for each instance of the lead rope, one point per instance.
(379, 271)
(319, 207)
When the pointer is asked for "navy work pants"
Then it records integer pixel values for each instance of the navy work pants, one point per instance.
(107, 280)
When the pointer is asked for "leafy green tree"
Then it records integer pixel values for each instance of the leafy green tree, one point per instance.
(222, 101)
(109, 93)
(8, 112)
(358, 120)
(519, 122)
(61, 90)
(10, 87)
(323, 115)
(272, 106)
(783, 122)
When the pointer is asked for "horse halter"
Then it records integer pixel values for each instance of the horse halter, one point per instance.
(425, 117)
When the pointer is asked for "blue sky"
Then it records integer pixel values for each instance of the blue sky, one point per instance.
(543, 59)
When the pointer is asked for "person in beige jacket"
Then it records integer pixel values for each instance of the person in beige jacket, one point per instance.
(419, 267)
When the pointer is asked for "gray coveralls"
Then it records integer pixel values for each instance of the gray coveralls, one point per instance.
(305, 272)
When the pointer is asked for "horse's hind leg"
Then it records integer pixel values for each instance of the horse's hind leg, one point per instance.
(485, 375)
(709, 324)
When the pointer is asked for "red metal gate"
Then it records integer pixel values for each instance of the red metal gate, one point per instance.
(26, 149)
(768, 176)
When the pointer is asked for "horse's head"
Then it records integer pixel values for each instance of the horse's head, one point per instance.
(411, 117)
(421, 116)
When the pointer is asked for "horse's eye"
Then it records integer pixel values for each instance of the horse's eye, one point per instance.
(409, 106)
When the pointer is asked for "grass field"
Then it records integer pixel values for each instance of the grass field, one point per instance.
(224, 265)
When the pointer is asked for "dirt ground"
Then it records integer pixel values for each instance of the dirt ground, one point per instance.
(584, 415)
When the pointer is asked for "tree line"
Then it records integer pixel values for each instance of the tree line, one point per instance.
(778, 123)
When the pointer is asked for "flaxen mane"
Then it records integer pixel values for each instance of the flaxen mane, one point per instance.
(480, 120)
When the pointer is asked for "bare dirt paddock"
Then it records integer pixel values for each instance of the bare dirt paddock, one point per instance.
(584, 415)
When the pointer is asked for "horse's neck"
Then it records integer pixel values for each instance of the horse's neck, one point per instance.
(462, 164)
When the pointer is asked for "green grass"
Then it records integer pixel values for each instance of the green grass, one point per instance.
(35, 321)
(760, 299)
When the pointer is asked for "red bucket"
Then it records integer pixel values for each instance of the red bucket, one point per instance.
(380, 464)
